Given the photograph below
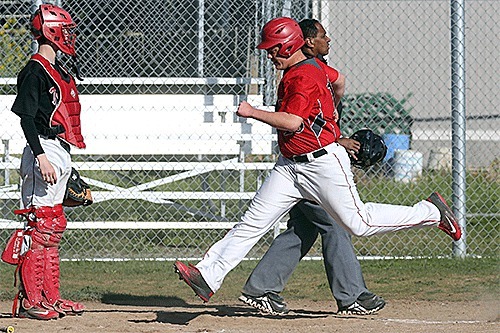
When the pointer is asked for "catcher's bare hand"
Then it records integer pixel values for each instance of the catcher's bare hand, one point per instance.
(245, 110)
(46, 169)
(352, 146)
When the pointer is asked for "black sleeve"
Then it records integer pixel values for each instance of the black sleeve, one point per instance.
(31, 134)
(29, 88)
(26, 105)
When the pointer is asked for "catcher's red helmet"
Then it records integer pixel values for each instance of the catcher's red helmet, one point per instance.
(56, 25)
(284, 32)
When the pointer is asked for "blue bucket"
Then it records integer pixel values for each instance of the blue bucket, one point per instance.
(395, 142)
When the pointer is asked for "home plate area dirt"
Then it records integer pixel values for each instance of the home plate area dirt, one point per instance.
(305, 316)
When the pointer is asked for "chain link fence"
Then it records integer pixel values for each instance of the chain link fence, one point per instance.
(171, 166)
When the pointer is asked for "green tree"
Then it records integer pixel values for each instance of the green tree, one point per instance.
(15, 44)
(381, 112)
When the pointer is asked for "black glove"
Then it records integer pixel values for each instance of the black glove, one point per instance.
(77, 191)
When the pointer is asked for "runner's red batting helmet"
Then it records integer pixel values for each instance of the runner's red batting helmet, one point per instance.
(56, 25)
(284, 32)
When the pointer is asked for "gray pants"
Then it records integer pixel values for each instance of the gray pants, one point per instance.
(307, 219)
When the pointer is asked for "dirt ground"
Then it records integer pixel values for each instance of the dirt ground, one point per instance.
(306, 316)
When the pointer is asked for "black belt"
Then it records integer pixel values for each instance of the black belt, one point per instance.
(309, 157)
(51, 132)
(48, 137)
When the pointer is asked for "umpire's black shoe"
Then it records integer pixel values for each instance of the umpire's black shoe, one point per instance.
(270, 303)
(366, 304)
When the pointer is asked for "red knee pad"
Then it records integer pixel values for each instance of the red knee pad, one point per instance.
(50, 219)
(49, 226)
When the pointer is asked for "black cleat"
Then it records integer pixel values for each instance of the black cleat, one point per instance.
(269, 303)
(364, 305)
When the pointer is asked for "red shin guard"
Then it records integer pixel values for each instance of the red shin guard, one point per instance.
(38, 268)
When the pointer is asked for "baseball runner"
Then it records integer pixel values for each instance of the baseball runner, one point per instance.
(307, 221)
(312, 166)
(48, 105)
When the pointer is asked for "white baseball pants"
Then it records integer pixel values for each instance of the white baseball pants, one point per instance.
(327, 180)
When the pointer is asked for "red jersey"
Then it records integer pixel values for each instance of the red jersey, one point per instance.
(305, 91)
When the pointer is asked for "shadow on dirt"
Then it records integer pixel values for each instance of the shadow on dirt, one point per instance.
(182, 317)
(133, 300)
(177, 316)
(5, 315)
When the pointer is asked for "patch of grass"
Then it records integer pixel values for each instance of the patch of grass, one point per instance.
(140, 281)
(434, 279)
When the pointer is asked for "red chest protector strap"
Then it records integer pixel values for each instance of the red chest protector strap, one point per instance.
(68, 108)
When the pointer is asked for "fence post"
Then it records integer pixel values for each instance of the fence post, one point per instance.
(241, 159)
(201, 38)
(458, 119)
(6, 158)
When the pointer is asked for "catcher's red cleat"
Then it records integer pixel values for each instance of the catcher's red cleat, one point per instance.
(192, 276)
(448, 222)
(37, 312)
(69, 308)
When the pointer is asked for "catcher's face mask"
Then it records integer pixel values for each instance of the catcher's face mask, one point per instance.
(56, 25)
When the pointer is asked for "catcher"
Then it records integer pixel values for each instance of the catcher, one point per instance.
(48, 105)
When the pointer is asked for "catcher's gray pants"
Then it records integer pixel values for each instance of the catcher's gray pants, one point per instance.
(342, 267)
